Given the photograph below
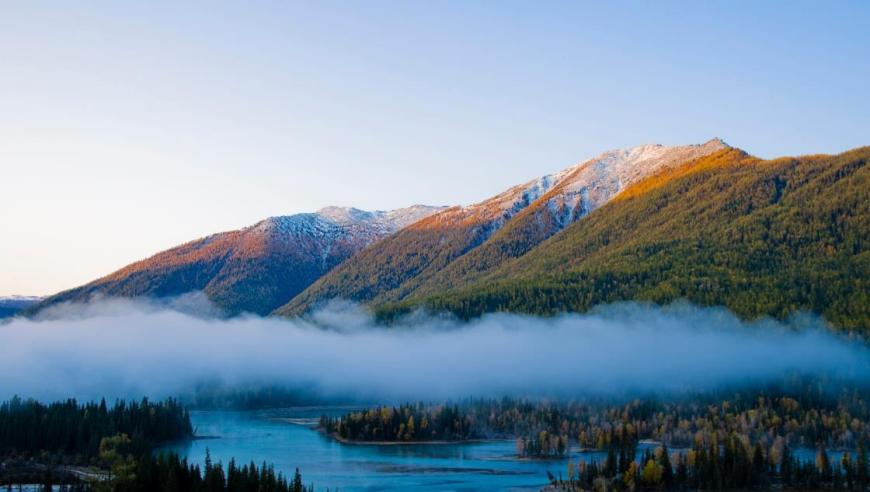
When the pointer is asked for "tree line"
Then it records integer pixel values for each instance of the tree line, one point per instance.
(804, 413)
(166, 472)
(74, 430)
(723, 439)
(408, 422)
(729, 465)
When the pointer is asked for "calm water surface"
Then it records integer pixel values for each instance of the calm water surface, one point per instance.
(264, 436)
(258, 436)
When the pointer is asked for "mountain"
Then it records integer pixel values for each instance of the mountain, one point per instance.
(254, 269)
(707, 223)
(762, 238)
(458, 243)
(12, 305)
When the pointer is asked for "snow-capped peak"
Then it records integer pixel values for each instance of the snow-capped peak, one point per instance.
(387, 219)
(592, 183)
(581, 188)
(330, 220)
(346, 215)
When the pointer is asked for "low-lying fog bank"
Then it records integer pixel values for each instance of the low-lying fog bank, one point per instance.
(124, 348)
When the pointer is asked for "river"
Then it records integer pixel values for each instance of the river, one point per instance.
(270, 437)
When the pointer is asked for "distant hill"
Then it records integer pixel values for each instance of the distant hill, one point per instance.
(254, 269)
(759, 237)
(12, 305)
(458, 243)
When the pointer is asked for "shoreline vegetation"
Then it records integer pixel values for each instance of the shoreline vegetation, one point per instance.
(803, 413)
(720, 440)
(335, 437)
(92, 446)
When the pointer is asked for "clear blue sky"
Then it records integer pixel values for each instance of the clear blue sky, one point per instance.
(128, 127)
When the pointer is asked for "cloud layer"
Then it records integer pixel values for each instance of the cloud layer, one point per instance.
(123, 348)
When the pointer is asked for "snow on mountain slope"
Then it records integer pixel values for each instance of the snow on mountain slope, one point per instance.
(257, 268)
(337, 220)
(581, 189)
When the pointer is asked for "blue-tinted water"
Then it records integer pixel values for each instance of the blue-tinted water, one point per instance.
(264, 436)
(259, 437)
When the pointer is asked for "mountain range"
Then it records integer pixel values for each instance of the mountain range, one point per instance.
(428, 255)
(255, 269)
(708, 223)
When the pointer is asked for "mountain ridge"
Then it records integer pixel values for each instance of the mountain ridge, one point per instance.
(253, 269)
(708, 223)
(404, 262)
(760, 237)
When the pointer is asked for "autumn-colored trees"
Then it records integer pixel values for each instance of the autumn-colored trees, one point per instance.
(762, 238)
(436, 423)
(712, 440)
(718, 466)
(800, 414)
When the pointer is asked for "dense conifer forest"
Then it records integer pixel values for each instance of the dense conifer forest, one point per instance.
(76, 430)
(169, 473)
(166, 472)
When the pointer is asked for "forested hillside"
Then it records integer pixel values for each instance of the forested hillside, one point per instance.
(456, 243)
(759, 237)
(548, 215)
(421, 249)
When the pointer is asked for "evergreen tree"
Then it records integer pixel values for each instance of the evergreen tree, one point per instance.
(667, 470)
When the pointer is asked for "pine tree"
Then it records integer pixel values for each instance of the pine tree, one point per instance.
(759, 467)
(297, 482)
(667, 470)
(610, 464)
(785, 468)
(862, 473)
